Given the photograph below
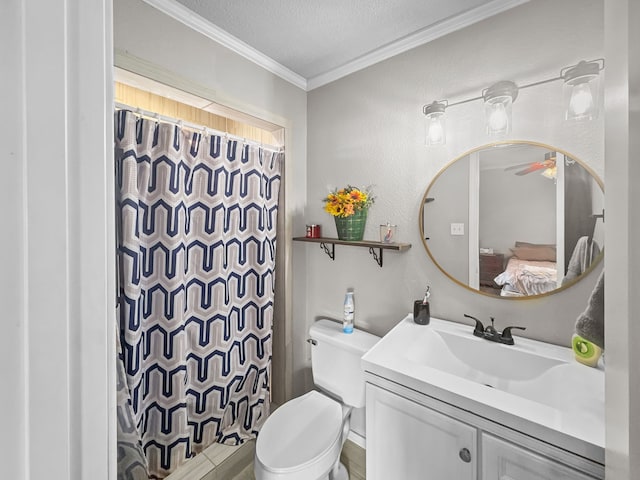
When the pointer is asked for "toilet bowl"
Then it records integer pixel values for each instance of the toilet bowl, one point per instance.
(302, 439)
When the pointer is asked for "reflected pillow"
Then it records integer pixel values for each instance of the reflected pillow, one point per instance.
(527, 244)
(540, 253)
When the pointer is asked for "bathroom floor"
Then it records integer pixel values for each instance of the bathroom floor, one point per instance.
(222, 462)
(219, 462)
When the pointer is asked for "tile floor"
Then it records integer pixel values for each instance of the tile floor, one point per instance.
(219, 462)
(222, 462)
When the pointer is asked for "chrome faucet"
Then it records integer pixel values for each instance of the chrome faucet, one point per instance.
(490, 332)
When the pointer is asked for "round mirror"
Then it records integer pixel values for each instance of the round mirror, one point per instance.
(514, 219)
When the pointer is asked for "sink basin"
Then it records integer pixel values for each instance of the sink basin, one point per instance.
(531, 386)
(533, 370)
(453, 350)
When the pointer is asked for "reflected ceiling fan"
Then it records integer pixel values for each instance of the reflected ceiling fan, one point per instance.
(546, 167)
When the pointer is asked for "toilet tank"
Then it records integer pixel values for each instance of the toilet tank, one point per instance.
(335, 360)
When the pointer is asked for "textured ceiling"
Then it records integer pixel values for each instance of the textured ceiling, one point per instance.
(314, 37)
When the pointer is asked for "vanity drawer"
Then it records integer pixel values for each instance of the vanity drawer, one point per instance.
(502, 460)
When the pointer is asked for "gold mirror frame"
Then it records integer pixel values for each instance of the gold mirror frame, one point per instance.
(425, 201)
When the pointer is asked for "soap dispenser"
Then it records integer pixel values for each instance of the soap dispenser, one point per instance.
(421, 310)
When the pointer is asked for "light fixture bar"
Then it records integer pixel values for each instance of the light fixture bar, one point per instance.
(581, 79)
(465, 101)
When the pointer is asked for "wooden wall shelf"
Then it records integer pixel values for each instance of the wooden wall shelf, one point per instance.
(375, 248)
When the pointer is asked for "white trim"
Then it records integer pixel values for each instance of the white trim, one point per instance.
(60, 315)
(474, 220)
(560, 233)
(186, 16)
(188, 92)
(357, 439)
(149, 76)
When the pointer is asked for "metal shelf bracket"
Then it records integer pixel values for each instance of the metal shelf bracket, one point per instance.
(377, 258)
(332, 252)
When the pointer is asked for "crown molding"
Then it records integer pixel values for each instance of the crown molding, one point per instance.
(417, 39)
(179, 12)
(189, 18)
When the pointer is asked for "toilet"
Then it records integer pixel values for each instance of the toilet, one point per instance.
(302, 439)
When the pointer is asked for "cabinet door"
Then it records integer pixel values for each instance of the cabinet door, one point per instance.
(502, 460)
(408, 441)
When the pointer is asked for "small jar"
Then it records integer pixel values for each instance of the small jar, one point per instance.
(388, 233)
(313, 231)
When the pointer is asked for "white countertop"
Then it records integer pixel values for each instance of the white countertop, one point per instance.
(564, 406)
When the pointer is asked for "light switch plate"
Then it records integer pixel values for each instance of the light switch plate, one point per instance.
(457, 229)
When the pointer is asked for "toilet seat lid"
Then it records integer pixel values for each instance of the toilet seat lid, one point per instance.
(301, 431)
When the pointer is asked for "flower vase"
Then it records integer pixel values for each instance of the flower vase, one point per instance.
(351, 228)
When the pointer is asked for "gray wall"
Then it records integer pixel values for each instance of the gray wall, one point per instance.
(368, 128)
(522, 206)
(450, 205)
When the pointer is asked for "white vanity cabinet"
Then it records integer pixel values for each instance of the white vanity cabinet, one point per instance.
(415, 437)
(408, 441)
(503, 460)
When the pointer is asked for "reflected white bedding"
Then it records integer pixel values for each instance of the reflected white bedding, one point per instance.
(527, 277)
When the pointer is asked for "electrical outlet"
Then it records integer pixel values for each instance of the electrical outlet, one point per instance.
(457, 229)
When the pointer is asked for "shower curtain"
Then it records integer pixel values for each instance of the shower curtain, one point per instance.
(196, 227)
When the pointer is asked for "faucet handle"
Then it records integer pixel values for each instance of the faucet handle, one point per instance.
(479, 330)
(506, 336)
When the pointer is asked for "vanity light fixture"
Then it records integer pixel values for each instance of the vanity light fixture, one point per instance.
(581, 94)
(581, 89)
(436, 134)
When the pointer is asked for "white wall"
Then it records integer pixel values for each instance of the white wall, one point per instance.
(12, 341)
(57, 284)
(622, 305)
(368, 128)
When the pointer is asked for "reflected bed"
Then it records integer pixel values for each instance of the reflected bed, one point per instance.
(530, 271)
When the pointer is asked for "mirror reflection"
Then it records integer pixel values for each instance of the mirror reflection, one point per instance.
(514, 220)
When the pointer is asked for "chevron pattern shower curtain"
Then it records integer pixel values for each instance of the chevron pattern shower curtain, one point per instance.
(196, 256)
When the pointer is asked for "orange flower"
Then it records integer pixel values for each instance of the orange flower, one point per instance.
(346, 201)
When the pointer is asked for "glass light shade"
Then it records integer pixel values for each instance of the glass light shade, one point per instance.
(498, 114)
(497, 107)
(436, 134)
(581, 101)
(581, 91)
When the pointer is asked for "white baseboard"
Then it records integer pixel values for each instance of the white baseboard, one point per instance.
(356, 438)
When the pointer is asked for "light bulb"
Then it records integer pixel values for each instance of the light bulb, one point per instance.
(581, 89)
(498, 99)
(581, 102)
(435, 131)
(436, 134)
(498, 120)
(550, 173)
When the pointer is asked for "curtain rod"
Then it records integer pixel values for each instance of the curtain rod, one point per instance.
(192, 126)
